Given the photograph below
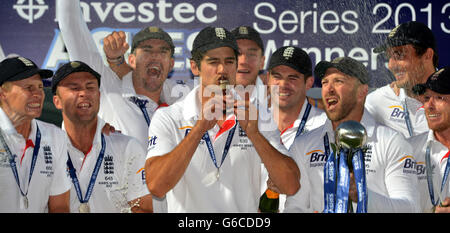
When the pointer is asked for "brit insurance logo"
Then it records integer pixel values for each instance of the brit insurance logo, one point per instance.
(30, 10)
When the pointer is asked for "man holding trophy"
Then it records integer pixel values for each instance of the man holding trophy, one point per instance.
(379, 181)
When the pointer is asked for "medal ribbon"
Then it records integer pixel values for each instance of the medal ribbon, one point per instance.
(141, 104)
(226, 148)
(75, 181)
(12, 161)
(304, 118)
(430, 176)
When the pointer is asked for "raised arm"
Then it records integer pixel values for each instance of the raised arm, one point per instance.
(115, 46)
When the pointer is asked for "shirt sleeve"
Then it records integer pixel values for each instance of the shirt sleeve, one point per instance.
(81, 45)
(61, 182)
(162, 139)
(402, 187)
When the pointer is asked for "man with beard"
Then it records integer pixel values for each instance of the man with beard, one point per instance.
(33, 153)
(389, 187)
(198, 158)
(411, 50)
(105, 169)
(432, 148)
(129, 103)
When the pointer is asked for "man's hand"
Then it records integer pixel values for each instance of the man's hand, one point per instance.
(115, 45)
(247, 115)
(445, 208)
(353, 192)
(109, 129)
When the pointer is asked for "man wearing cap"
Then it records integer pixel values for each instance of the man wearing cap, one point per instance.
(290, 76)
(106, 170)
(411, 50)
(384, 185)
(433, 148)
(198, 158)
(128, 103)
(32, 153)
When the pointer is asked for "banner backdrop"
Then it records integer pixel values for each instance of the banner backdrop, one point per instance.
(325, 29)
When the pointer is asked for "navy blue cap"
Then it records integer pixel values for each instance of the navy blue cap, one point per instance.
(18, 68)
(248, 33)
(438, 82)
(69, 68)
(214, 37)
(409, 33)
(346, 65)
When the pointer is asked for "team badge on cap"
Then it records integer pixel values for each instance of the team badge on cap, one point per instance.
(153, 29)
(220, 33)
(243, 30)
(25, 61)
(75, 64)
(392, 33)
(288, 52)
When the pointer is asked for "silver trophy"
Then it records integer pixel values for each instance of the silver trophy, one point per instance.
(350, 135)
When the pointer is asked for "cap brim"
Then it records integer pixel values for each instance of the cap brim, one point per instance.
(275, 64)
(392, 43)
(215, 45)
(28, 73)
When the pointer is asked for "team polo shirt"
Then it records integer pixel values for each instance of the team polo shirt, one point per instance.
(238, 187)
(387, 109)
(316, 118)
(116, 106)
(49, 177)
(120, 178)
(391, 186)
(438, 158)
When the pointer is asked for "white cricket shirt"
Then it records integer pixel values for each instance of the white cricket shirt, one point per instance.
(438, 158)
(316, 118)
(390, 186)
(387, 109)
(49, 177)
(238, 187)
(116, 108)
(120, 178)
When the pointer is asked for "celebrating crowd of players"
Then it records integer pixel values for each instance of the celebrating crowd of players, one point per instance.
(219, 146)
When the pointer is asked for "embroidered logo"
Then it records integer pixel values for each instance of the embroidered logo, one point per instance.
(108, 165)
(220, 33)
(48, 155)
(243, 30)
(25, 61)
(288, 52)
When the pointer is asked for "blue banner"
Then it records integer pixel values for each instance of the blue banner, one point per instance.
(325, 29)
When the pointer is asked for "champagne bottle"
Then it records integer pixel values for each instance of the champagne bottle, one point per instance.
(269, 202)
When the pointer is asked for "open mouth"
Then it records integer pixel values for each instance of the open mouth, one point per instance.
(331, 102)
(34, 106)
(243, 71)
(84, 105)
(154, 71)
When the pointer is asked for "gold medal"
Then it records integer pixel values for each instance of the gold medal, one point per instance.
(84, 208)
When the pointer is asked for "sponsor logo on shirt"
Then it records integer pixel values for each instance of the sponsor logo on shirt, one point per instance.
(317, 158)
(409, 164)
(397, 113)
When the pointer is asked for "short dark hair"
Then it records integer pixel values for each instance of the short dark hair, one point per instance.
(420, 50)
